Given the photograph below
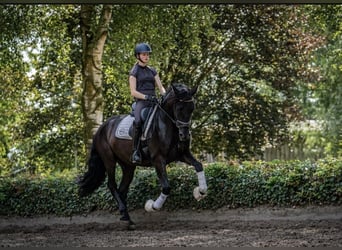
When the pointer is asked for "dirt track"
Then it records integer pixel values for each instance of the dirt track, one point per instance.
(264, 227)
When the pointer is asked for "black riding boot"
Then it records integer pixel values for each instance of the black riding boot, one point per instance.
(136, 156)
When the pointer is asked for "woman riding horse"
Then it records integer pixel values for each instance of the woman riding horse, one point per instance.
(169, 141)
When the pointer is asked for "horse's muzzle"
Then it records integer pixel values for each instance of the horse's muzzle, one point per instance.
(184, 134)
(184, 130)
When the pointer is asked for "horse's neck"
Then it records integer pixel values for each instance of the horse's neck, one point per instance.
(164, 125)
(168, 115)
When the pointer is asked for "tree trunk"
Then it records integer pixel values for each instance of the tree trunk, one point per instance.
(94, 35)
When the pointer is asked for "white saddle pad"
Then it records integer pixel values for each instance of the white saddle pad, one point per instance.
(122, 132)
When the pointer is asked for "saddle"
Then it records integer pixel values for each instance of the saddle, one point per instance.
(125, 127)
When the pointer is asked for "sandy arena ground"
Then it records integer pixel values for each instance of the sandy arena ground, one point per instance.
(258, 227)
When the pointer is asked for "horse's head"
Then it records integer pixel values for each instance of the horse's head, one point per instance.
(180, 103)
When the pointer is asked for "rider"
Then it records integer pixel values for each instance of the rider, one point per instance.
(142, 82)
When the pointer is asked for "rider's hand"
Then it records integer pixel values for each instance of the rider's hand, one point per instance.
(162, 98)
(151, 98)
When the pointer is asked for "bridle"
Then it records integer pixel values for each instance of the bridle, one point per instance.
(179, 124)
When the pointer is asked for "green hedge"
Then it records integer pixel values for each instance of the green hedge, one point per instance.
(248, 184)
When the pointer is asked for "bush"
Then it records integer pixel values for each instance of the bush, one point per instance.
(248, 184)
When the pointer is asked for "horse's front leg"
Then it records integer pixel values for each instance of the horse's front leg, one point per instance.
(152, 205)
(201, 190)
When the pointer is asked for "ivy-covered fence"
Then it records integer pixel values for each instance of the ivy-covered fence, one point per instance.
(246, 184)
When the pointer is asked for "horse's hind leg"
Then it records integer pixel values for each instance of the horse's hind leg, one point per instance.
(120, 194)
(127, 177)
(114, 189)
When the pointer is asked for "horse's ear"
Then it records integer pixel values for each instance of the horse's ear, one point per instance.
(174, 89)
(193, 90)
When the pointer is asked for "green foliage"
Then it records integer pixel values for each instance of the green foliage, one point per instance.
(251, 62)
(322, 98)
(41, 126)
(248, 184)
(56, 194)
(248, 77)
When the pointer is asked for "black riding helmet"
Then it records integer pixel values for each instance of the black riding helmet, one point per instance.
(142, 48)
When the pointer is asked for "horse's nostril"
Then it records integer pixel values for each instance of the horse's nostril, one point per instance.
(184, 136)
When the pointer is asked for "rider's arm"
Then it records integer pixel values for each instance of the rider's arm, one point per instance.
(159, 84)
(133, 88)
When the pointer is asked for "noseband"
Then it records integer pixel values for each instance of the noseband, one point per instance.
(180, 124)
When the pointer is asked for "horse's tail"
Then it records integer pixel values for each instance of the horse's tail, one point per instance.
(95, 175)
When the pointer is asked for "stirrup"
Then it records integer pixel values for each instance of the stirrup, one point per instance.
(136, 157)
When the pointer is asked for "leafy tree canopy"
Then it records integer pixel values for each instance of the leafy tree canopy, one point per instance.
(250, 62)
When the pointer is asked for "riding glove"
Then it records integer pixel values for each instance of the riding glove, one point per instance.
(151, 98)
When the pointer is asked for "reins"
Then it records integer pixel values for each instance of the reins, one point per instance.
(167, 114)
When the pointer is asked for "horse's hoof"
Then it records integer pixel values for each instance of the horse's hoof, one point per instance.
(149, 206)
(131, 226)
(126, 224)
(198, 195)
(124, 218)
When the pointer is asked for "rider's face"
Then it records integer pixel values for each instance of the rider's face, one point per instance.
(144, 57)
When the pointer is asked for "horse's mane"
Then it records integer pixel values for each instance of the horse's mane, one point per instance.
(168, 93)
(183, 92)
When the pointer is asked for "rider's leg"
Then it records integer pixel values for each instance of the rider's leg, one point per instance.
(136, 155)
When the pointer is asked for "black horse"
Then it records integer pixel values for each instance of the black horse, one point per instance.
(169, 141)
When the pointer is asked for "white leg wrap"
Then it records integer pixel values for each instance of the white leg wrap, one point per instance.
(160, 201)
(202, 182)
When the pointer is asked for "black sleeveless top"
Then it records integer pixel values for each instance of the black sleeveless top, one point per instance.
(145, 78)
